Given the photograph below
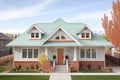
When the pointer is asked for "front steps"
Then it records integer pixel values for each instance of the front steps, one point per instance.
(60, 69)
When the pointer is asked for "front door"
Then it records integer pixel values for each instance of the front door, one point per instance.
(60, 56)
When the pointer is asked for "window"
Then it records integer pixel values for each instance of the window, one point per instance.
(24, 53)
(93, 53)
(82, 35)
(34, 35)
(29, 53)
(37, 35)
(88, 53)
(87, 35)
(60, 38)
(82, 51)
(35, 53)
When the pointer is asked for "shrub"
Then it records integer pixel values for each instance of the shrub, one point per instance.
(99, 67)
(19, 67)
(110, 69)
(80, 67)
(89, 66)
(37, 66)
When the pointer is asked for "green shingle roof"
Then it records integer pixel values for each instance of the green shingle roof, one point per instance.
(49, 28)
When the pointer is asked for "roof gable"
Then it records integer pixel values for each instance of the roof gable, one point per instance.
(34, 27)
(60, 28)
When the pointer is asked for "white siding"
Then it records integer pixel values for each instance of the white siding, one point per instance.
(34, 31)
(18, 54)
(100, 54)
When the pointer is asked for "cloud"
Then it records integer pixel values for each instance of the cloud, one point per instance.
(27, 11)
(96, 15)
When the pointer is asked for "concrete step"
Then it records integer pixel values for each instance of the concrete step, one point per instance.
(60, 68)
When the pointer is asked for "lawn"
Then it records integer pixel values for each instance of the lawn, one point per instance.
(2, 68)
(109, 77)
(24, 77)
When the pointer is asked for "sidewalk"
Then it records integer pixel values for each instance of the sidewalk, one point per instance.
(60, 76)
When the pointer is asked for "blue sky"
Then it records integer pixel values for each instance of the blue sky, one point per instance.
(16, 16)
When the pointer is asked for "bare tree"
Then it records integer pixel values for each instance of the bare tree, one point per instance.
(112, 27)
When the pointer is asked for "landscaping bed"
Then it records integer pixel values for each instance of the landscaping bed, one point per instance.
(109, 77)
(24, 77)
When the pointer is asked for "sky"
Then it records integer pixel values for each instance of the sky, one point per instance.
(16, 16)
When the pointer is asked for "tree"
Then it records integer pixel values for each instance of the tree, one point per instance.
(112, 27)
(104, 36)
(42, 58)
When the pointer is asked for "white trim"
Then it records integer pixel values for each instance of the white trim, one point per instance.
(46, 51)
(85, 26)
(85, 58)
(65, 32)
(75, 54)
(32, 28)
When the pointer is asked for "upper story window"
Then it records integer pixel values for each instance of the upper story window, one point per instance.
(60, 37)
(85, 33)
(34, 35)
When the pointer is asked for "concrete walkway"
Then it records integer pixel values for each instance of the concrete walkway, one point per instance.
(116, 69)
(60, 76)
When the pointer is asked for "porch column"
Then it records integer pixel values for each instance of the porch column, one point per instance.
(46, 51)
(75, 55)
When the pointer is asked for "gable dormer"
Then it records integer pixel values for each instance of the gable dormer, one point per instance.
(35, 33)
(85, 33)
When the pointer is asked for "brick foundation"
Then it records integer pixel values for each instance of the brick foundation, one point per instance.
(27, 64)
(92, 63)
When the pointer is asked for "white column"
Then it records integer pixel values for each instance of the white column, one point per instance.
(75, 54)
(46, 51)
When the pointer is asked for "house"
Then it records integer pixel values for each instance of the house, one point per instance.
(60, 39)
(3, 49)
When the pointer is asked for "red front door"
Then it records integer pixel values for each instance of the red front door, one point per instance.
(60, 56)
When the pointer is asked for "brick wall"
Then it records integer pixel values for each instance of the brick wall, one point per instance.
(27, 64)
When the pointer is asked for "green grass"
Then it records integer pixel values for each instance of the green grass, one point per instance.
(94, 71)
(25, 71)
(109, 77)
(24, 77)
(2, 68)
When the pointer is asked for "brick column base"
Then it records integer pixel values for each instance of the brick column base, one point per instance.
(74, 66)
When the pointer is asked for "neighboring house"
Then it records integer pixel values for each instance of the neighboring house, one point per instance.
(3, 49)
(76, 40)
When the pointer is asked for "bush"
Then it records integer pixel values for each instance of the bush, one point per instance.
(19, 67)
(89, 66)
(80, 67)
(31, 66)
(37, 66)
(99, 67)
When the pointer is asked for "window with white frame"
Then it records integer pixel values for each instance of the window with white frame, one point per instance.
(88, 53)
(24, 53)
(82, 53)
(35, 35)
(60, 37)
(85, 35)
(29, 53)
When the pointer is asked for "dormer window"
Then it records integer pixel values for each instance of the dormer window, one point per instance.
(85, 33)
(34, 35)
